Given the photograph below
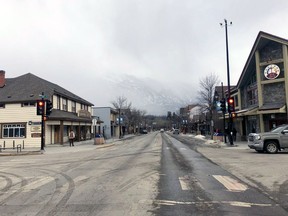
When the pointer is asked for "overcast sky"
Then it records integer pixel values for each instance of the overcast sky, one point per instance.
(75, 42)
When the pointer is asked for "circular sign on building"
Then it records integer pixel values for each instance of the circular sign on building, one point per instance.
(272, 71)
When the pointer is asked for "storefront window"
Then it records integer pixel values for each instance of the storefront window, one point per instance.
(13, 131)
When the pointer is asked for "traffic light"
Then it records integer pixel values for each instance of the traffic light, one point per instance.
(223, 105)
(49, 107)
(231, 107)
(40, 107)
(233, 115)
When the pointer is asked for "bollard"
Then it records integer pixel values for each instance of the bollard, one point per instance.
(13, 144)
(4, 145)
(23, 144)
(18, 148)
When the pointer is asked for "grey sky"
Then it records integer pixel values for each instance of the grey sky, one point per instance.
(74, 43)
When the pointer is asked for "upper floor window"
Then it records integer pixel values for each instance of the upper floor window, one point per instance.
(236, 101)
(84, 107)
(58, 102)
(73, 106)
(252, 96)
(64, 104)
(28, 104)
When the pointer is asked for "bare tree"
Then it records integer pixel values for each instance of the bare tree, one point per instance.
(123, 107)
(136, 118)
(121, 103)
(206, 96)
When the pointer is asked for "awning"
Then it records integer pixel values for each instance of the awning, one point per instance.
(272, 108)
(247, 112)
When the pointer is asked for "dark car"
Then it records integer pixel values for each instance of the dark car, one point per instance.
(176, 131)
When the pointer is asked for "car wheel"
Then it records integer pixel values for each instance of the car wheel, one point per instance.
(271, 147)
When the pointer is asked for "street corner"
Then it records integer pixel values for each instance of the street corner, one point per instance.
(22, 153)
(105, 145)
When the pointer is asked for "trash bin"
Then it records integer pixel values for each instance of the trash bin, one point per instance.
(99, 139)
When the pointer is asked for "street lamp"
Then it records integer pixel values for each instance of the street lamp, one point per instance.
(228, 81)
(119, 123)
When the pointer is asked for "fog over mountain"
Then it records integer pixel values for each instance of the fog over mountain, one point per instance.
(147, 94)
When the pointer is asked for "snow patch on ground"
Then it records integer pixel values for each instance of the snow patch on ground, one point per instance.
(200, 137)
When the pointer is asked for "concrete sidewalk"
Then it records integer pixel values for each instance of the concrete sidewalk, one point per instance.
(219, 144)
(58, 148)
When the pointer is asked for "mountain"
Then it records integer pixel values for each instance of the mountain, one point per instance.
(154, 96)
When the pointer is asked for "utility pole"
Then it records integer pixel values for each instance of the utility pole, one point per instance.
(230, 122)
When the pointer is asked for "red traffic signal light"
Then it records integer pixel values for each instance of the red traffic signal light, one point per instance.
(231, 101)
(40, 107)
(231, 107)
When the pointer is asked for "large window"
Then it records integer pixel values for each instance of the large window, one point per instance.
(252, 92)
(252, 96)
(14, 131)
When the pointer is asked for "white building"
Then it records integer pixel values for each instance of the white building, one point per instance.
(20, 123)
(105, 122)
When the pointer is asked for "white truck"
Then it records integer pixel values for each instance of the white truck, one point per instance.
(270, 142)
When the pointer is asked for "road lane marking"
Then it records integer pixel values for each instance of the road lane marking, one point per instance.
(230, 183)
(232, 203)
(38, 183)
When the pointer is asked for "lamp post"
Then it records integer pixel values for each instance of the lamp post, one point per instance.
(230, 123)
(119, 123)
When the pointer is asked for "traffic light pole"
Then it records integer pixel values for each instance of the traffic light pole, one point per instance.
(42, 131)
(42, 124)
(224, 121)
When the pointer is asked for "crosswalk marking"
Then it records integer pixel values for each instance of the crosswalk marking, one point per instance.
(232, 203)
(230, 183)
(184, 182)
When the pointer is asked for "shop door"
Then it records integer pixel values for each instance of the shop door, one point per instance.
(57, 134)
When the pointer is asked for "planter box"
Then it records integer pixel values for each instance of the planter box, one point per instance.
(216, 138)
(99, 140)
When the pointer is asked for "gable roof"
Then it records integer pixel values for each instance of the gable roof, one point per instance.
(262, 39)
(28, 87)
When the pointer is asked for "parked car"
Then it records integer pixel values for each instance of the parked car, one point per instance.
(176, 131)
(144, 131)
(270, 142)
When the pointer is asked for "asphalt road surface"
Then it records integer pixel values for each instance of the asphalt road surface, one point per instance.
(152, 174)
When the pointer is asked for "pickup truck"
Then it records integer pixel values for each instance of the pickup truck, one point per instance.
(270, 142)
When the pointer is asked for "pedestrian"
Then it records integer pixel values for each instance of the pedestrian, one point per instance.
(71, 137)
(234, 132)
